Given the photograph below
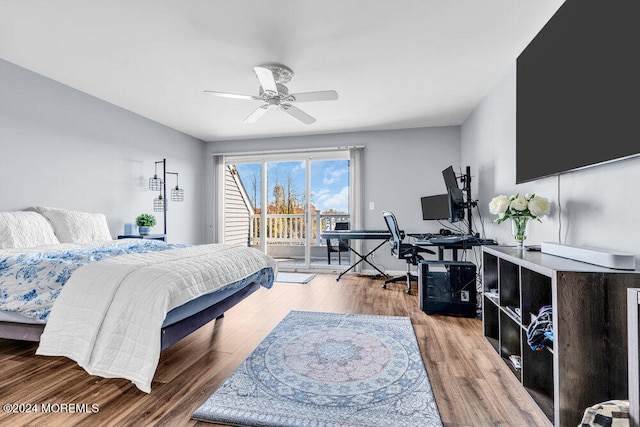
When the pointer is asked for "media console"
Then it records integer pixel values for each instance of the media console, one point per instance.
(588, 362)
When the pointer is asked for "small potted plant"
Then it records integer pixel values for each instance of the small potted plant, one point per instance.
(145, 222)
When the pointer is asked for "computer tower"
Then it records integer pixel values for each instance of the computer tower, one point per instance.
(447, 287)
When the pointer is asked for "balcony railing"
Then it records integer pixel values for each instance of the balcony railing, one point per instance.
(290, 229)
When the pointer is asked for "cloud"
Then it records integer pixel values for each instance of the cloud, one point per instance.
(321, 194)
(331, 175)
(326, 200)
(297, 167)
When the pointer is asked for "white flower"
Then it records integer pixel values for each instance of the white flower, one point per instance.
(499, 205)
(539, 206)
(519, 204)
(529, 205)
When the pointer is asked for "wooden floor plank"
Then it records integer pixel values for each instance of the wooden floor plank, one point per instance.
(472, 386)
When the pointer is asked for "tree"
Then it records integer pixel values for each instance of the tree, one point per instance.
(279, 201)
(286, 197)
(292, 197)
(254, 187)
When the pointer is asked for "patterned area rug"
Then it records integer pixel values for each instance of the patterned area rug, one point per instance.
(328, 369)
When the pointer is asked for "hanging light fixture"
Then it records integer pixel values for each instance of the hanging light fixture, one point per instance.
(158, 203)
(159, 184)
(177, 193)
(155, 183)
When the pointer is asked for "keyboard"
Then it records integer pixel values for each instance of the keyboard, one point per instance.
(451, 239)
(426, 236)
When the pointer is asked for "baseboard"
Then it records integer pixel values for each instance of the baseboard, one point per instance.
(596, 256)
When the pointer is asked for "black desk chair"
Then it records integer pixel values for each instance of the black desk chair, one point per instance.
(337, 245)
(405, 251)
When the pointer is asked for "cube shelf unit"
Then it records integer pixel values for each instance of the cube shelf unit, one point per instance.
(587, 362)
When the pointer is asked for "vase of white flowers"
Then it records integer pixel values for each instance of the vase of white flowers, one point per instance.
(520, 209)
(520, 228)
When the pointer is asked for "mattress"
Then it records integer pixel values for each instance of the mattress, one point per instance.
(197, 305)
(32, 278)
(177, 314)
(10, 316)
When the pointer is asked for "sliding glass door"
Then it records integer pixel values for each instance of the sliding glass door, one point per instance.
(329, 205)
(281, 202)
(287, 223)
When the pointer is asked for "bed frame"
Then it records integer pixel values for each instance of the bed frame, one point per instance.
(171, 334)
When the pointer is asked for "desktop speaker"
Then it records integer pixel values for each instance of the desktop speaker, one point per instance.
(447, 287)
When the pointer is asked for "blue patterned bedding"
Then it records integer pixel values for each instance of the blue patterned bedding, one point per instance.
(30, 282)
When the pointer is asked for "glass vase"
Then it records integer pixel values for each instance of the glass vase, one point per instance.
(519, 229)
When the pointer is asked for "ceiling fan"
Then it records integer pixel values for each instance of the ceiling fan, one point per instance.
(275, 94)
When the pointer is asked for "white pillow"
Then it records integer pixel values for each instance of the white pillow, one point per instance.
(25, 230)
(77, 227)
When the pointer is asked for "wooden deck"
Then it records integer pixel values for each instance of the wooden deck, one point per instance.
(473, 387)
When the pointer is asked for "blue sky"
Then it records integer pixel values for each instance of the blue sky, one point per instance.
(329, 181)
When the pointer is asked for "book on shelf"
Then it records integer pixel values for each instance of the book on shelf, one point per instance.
(515, 311)
(493, 293)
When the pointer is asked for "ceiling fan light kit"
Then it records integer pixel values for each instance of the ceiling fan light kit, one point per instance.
(281, 73)
(275, 95)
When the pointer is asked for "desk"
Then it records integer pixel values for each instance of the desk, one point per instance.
(453, 245)
(345, 235)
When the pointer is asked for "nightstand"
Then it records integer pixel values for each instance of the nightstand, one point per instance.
(162, 237)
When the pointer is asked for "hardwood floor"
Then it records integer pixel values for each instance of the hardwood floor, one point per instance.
(472, 386)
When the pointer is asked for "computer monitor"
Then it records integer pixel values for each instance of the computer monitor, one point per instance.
(456, 205)
(435, 207)
(449, 176)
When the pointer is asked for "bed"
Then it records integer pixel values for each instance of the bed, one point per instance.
(113, 306)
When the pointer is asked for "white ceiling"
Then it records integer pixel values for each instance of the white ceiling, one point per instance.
(395, 64)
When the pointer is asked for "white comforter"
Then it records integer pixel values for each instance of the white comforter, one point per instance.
(109, 314)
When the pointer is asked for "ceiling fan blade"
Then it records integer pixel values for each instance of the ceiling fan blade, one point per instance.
(325, 95)
(230, 95)
(257, 113)
(297, 113)
(267, 81)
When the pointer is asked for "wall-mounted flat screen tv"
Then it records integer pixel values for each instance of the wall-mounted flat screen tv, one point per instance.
(578, 89)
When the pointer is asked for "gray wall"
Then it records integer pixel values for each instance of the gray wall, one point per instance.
(400, 166)
(63, 148)
(596, 207)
